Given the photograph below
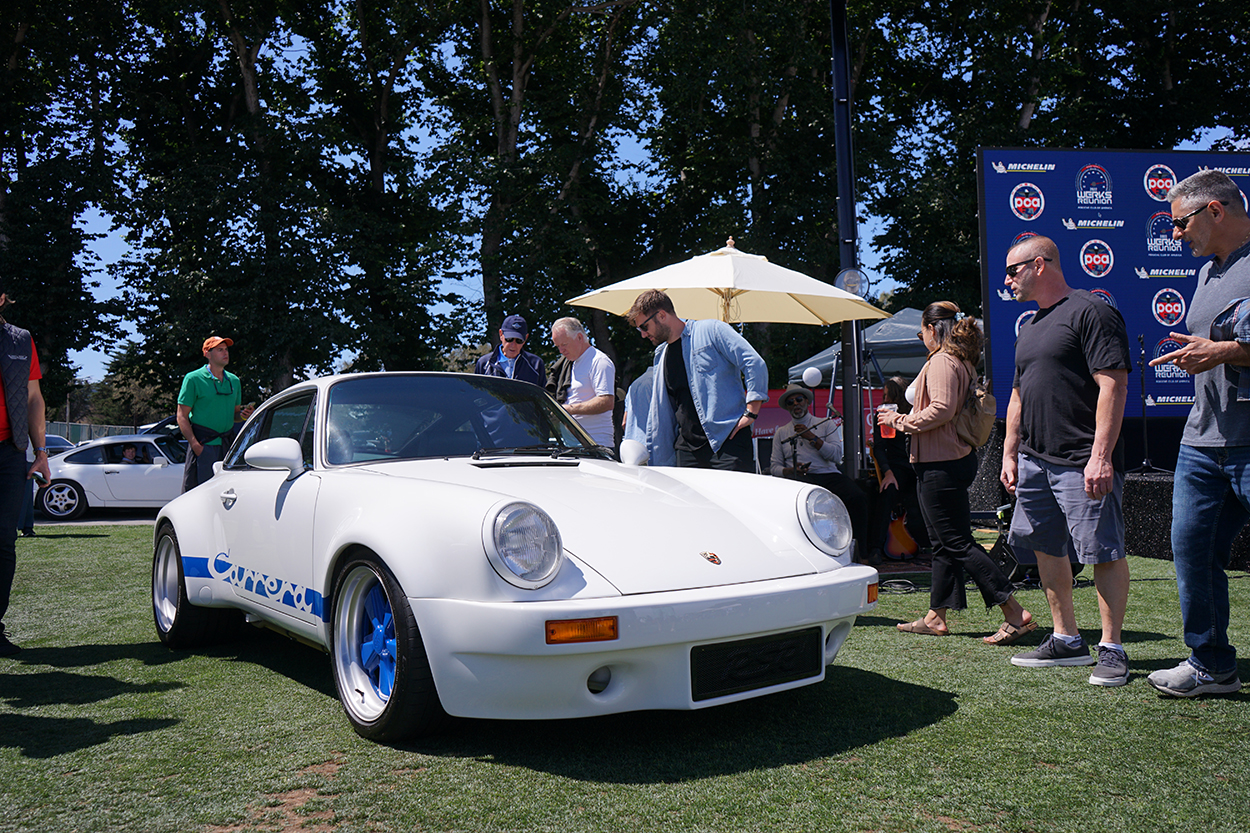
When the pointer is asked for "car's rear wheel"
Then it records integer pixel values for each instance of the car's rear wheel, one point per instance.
(381, 669)
(63, 500)
(180, 624)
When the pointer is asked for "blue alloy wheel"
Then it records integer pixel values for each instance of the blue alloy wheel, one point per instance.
(380, 667)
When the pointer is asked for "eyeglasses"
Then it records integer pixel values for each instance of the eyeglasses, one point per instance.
(1016, 267)
(1182, 223)
(229, 391)
(642, 328)
(515, 340)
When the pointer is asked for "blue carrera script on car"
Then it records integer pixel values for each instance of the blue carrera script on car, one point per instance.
(459, 546)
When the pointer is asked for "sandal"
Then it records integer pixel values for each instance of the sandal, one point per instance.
(921, 626)
(1009, 633)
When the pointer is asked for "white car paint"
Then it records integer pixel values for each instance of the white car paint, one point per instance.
(681, 557)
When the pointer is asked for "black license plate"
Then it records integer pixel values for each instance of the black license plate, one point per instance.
(732, 667)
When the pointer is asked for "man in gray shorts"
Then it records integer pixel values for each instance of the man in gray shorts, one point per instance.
(1063, 457)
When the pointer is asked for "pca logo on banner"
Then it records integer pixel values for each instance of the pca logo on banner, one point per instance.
(1104, 295)
(1168, 307)
(1024, 319)
(1097, 259)
(1159, 235)
(1158, 180)
(1027, 201)
(1093, 187)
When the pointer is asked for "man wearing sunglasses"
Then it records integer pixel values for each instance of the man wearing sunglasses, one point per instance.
(701, 413)
(510, 359)
(1211, 487)
(1063, 456)
(209, 403)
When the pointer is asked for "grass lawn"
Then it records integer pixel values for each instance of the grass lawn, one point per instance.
(103, 729)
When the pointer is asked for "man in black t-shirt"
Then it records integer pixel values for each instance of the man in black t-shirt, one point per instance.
(1063, 456)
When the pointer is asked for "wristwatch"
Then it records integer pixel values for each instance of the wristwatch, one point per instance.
(42, 448)
(750, 415)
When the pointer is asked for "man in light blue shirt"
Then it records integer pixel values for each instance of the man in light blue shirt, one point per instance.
(701, 410)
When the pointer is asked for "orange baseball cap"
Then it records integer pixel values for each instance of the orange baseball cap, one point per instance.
(213, 341)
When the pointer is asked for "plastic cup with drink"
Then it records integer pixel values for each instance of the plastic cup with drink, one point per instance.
(887, 431)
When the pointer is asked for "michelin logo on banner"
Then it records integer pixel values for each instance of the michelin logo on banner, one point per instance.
(1023, 167)
(1093, 187)
(1174, 274)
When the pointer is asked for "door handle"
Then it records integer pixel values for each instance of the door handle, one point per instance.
(228, 498)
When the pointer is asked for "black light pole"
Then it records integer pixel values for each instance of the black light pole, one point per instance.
(848, 250)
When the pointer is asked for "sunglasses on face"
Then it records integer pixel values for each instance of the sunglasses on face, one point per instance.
(1182, 222)
(515, 340)
(1016, 267)
(642, 328)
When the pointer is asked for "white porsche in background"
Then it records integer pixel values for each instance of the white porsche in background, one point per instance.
(459, 546)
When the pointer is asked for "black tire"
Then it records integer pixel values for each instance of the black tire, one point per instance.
(62, 500)
(384, 682)
(180, 624)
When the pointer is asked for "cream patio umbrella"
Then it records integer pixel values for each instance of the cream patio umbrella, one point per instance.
(736, 287)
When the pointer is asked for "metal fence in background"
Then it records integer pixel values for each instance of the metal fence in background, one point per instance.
(77, 432)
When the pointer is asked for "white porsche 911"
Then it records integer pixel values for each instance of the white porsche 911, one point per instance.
(459, 546)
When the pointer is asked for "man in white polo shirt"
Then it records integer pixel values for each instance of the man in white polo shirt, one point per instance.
(592, 387)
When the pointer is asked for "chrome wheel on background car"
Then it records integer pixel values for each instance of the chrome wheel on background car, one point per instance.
(62, 500)
(380, 667)
(180, 624)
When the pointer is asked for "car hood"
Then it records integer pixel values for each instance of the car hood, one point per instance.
(649, 529)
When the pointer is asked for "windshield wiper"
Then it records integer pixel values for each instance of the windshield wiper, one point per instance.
(545, 448)
(583, 451)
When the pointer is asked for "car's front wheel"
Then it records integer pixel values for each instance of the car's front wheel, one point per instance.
(62, 500)
(180, 624)
(380, 666)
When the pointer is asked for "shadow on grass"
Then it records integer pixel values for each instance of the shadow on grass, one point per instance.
(47, 737)
(849, 710)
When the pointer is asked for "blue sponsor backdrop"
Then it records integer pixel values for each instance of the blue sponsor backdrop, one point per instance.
(1107, 211)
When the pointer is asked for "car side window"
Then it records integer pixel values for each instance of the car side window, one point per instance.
(292, 418)
(171, 448)
(93, 456)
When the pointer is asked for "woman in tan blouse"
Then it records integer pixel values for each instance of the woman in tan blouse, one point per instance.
(945, 468)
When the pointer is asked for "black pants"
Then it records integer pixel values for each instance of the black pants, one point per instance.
(883, 512)
(13, 470)
(943, 494)
(737, 454)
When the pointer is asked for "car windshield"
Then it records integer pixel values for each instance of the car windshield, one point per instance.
(406, 417)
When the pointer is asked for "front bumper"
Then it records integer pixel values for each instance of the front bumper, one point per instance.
(491, 660)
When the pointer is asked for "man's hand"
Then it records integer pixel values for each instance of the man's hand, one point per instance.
(40, 465)
(1199, 354)
(743, 422)
(1099, 478)
(888, 481)
(1010, 473)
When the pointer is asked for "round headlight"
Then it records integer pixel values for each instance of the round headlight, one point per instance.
(523, 544)
(825, 520)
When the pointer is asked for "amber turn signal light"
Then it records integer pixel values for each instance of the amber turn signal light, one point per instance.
(563, 631)
(872, 593)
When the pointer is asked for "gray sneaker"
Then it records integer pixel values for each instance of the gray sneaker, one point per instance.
(1112, 668)
(1054, 652)
(1186, 681)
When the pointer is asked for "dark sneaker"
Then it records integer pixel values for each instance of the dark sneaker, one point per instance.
(1186, 681)
(7, 648)
(1054, 652)
(1112, 668)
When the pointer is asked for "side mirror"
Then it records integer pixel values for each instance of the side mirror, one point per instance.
(277, 454)
(160, 462)
(633, 453)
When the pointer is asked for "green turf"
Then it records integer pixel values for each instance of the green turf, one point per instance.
(102, 729)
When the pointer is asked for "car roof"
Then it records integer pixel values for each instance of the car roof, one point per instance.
(134, 438)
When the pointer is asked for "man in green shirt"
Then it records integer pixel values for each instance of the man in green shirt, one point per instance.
(209, 403)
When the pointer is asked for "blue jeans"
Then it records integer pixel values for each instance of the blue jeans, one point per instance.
(1210, 504)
